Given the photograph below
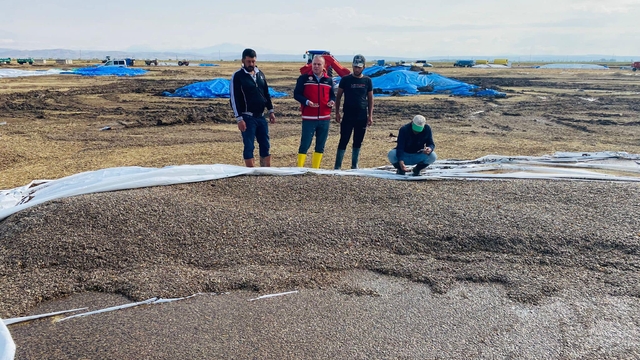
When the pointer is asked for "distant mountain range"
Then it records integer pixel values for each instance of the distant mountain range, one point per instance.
(230, 52)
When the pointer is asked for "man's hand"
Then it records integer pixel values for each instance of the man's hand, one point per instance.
(242, 125)
(427, 150)
(331, 103)
(272, 118)
(369, 120)
(338, 118)
(401, 164)
(312, 104)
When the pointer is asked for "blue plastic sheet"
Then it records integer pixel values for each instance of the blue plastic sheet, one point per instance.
(207, 64)
(106, 71)
(398, 80)
(212, 89)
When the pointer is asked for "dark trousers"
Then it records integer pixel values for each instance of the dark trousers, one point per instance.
(257, 129)
(347, 127)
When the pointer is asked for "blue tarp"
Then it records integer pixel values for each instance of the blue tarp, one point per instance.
(106, 71)
(207, 64)
(400, 81)
(216, 88)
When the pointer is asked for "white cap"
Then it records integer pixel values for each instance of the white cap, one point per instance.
(418, 123)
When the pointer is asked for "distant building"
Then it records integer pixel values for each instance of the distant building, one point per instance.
(64, 61)
(39, 61)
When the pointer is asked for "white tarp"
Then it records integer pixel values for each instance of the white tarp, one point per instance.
(11, 73)
(7, 346)
(574, 66)
(603, 166)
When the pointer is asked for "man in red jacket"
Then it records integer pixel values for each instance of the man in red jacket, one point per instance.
(314, 92)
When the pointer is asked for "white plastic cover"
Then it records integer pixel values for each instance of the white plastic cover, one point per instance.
(10, 73)
(604, 166)
(7, 346)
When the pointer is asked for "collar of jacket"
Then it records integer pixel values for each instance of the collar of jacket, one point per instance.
(323, 75)
(245, 70)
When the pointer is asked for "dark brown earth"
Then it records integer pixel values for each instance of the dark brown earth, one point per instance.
(537, 240)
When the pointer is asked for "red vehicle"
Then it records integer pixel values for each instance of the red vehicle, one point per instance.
(635, 66)
(330, 63)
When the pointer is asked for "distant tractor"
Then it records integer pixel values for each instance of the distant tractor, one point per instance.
(635, 66)
(331, 63)
(151, 62)
(183, 63)
(25, 61)
(5, 60)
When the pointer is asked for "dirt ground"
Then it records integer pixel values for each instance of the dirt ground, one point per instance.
(385, 269)
(53, 122)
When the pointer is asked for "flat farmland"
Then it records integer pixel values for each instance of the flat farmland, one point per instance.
(53, 122)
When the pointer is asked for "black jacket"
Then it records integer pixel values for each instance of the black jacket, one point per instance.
(248, 95)
(412, 143)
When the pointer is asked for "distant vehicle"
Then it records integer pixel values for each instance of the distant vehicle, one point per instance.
(5, 60)
(116, 62)
(25, 61)
(424, 63)
(635, 66)
(151, 62)
(128, 61)
(464, 63)
(183, 63)
(310, 54)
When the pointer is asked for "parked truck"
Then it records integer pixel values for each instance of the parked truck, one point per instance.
(128, 61)
(5, 60)
(635, 66)
(25, 61)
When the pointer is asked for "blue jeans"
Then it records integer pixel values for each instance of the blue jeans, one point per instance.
(310, 127)
(413, 159)
(257, 129)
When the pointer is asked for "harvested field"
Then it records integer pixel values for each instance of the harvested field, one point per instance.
(385, 269)
(53, 123)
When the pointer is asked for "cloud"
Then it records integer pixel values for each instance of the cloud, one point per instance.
(608, 7)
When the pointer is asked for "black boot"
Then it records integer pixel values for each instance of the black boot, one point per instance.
(418, 168)
(398, 170)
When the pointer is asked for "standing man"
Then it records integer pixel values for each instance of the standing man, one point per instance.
(249, 98)
(358, 111)
(314, 92)
(415, 147)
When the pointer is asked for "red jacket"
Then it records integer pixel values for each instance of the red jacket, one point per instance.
(319, 92)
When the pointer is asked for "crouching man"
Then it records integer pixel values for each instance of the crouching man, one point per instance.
(415, 147)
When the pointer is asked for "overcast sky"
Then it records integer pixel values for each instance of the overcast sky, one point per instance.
(419, 28)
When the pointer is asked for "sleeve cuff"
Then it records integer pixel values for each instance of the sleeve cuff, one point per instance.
(239, 118)
(271, 111)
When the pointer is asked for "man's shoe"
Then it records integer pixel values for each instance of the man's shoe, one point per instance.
(398, 170)
(355, 153)
(418, 168)
(301, 159)
(339, 157)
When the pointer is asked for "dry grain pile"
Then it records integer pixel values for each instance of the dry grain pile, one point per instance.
(276, 233)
